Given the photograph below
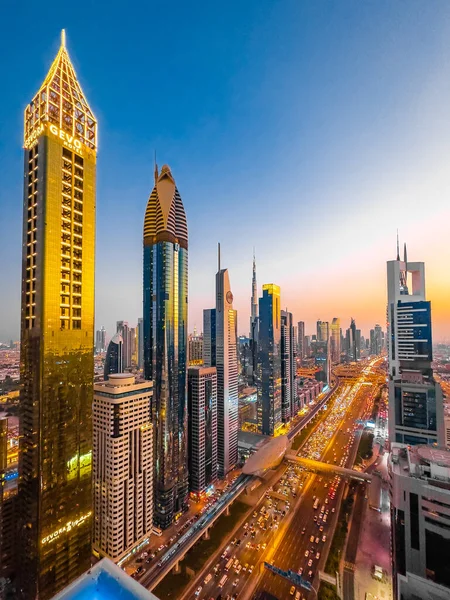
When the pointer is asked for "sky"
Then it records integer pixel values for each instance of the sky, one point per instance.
(311, 130)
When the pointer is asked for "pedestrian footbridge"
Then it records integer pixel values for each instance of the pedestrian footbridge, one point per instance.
(321, 467)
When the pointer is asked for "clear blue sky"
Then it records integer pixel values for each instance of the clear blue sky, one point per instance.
(309, 129)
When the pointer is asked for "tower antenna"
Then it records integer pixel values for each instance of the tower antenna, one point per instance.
(218, 255)
(398, 248)
(155, 169)
(63, 38)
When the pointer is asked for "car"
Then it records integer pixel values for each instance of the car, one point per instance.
(311, 539)
(217, 567)
(264, 546)
(306, 553)
(208, 578)
(297, 595)
(321, 528)
(251, 567)
(333, 510)
(317, 540)
(310, 574)
(303, 530)
(239, 568)
(236, 583)
(310, 562)
(292, 590)
(198, 590)
(317, 555)
(324, 538)
(245, 567)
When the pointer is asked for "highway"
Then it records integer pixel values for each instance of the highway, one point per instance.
(177, 550)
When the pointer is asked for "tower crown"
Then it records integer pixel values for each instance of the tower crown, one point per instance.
(61, 102)
(165, 219)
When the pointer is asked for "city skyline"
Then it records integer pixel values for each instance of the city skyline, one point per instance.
(407, 109)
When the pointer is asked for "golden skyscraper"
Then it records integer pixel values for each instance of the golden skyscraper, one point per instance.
(57, 334)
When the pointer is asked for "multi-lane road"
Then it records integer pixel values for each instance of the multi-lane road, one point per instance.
(291, 533)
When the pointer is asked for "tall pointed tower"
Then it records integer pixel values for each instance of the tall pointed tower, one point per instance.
(57, 334)
(165, 341)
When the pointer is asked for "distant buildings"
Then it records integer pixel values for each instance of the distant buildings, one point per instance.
(140, 344)
(123, 465)
(323, 331)
(202, 428)
(165, 341)
(269, 361)
(376, 340)
(127, 340)
(114, 356)
(220, 350)
(420, 505)
(322, 360)
(415, 398)
(57, 335)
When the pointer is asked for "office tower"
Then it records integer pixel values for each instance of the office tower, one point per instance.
(57, 334)
(269, 361)
(123, 465)
(415, 398)
(98, 341)
(202, 436)
(103, 338)
(420, 504)
(220, 351)
(351, 341)
(289, 399)
(254, 300)
(140, 343)
(165, 341)
(301, 351)
(209, 337)
(358, 344)
(322, 360)
(335, 340)
(372, 341)
(124, 330)
(378, 339)
(195, 349)
(133, 345)
(114, 356)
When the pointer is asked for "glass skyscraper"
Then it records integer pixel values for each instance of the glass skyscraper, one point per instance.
(165, 341)
(57, 334)
(114, 356)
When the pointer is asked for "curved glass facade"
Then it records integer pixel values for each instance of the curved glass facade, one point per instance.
(114, 357)
(165, 344)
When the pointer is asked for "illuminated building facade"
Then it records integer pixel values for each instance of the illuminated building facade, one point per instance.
(195, 349)
(165, 341)
(57, 334)
(269, 361)
(202, 409)
(301, 350)
(123, 465)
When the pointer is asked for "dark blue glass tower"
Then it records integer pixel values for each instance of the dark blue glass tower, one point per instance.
(114, 356)
(165, 341)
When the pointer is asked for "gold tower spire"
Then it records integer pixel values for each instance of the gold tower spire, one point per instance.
(61, 102)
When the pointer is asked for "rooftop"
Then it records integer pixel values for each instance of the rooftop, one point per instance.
(105, 581)
(424, 462)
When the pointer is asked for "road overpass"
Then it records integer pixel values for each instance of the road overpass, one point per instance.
(327, 468)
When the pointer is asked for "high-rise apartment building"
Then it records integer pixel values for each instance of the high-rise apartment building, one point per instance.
(220, 324)
(289, 397)
(57, 334)
(100, 340)
(123, 465)
(301, 350)
(269, 361)
(335, 340)
(114, 356)
(420, 509)
(416, 413)
(202, 410)
(165, 341)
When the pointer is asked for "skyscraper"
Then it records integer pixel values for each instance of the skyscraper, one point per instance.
(140, 343)
(165, 341)
(323, 331)
(114, 356)
(269, 361)
(301, 351)
(123, 465)
(415, 398)
(254, 322)
(57, 333)
(202, 409)
(289, 398)
(100, 340)
(335, 340)
(220, 351)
